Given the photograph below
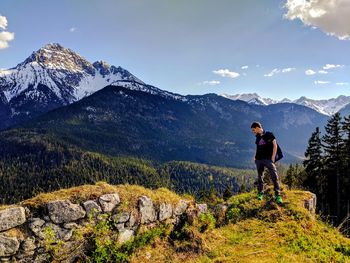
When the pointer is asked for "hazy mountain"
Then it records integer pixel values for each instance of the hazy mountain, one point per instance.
(327, 107)
(204, 128)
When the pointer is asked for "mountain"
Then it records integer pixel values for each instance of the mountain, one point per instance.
(251, 98)
(345, 111)
(53, 77)
(326, 107)
(200, 128)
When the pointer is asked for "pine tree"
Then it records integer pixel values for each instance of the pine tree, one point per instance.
(289, 180)
(346, 158)
(315, 178)
(333, 147)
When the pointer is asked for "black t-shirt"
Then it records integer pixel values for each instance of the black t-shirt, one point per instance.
(264, 145)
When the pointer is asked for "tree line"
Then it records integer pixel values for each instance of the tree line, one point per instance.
(326, 169)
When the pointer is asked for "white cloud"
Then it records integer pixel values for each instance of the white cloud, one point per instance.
(5, 36)
(285, 70)
(210, 82)
(226, 73)
(322, 72)
(330, 66)
(310, 72)
(321, 82)
(244, 67)
(3, 22)
(331, 16)
(276, 71)
(72, 29)
(342, 83)
(273, 72)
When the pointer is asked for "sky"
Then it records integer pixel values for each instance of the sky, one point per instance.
(276, 48)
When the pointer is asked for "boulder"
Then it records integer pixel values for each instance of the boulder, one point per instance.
(121, 217)
(8, 246)
(181, 207)
(12, 217)
(165, 211)
(146, 208)
(36, 225)
(109, 202)
(63, 211)
(201, 208)
(125, 235)
(91, 207)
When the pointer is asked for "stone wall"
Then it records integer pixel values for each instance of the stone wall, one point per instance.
(23, 232)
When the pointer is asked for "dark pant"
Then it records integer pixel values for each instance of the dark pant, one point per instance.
(260, 166)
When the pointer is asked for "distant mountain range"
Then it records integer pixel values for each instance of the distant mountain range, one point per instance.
(106, 109)
(327, 107)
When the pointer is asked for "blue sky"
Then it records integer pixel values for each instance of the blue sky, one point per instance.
(196, 46)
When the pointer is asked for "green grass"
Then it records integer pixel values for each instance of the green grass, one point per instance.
(262, 231)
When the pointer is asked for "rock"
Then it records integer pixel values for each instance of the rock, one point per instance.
(70, 225)
(132, 220)
(165, 211)
(201, 208)
(310, 204)
(91, 207)
(181, 207)
(147, 211)
(12, 217)
(36, 225)
(59, 233)
(8, 246)
(109, 202)
(220, 213)
(42, 258)
(120, 226)
(190, 215)
(121, 217)
(28, 244)
(40, 229)
(63, 211)
(125, 235)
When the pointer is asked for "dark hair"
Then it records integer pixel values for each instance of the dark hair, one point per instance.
(256, 124)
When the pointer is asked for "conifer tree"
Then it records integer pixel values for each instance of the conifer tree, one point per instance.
(333, 148)
(315, 178)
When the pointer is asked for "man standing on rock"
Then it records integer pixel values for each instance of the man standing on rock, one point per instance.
(265, 156)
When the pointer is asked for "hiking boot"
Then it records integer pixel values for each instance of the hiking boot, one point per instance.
(260, 196)
(278, 199)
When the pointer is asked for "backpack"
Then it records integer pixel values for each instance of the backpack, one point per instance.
(279, 154)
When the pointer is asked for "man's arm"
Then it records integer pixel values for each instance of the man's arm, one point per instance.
(274, 150)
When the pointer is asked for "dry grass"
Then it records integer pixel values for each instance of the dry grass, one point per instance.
(129, 195)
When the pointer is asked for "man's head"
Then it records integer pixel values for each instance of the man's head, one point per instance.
(256, 128)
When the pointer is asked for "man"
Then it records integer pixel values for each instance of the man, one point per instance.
(265, 156)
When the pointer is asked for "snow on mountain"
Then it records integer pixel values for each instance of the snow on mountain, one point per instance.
(55, 76)
(326, 107)
(68, 75)
(251, 98)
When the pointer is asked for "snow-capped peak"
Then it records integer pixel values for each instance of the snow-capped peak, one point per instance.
(67, 74)
(55, 76)
(327, 107)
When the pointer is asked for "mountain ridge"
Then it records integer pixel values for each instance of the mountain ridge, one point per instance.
(324, 106)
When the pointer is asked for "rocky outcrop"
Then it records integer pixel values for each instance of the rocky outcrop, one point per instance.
(25, 232)
(62, 218)
(310, 204)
